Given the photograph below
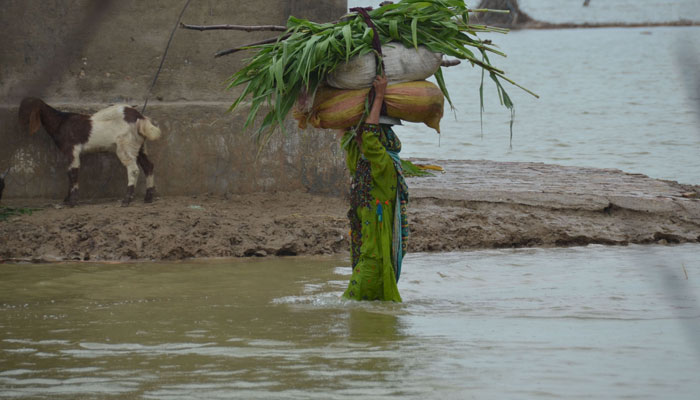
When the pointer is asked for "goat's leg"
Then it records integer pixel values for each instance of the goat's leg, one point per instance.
(147, 167)
(132, 173)
(73, 172)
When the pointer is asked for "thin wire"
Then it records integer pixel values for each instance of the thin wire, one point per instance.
(165, 53)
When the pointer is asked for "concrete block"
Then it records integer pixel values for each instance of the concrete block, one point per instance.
(80, 55)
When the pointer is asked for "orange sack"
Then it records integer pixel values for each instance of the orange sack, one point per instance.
(418, 101)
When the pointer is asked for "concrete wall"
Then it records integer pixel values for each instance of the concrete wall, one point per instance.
(81, 55)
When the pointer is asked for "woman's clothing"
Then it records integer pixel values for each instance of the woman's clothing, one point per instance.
(378, 240)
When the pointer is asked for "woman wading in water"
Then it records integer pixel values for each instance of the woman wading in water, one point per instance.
(378, 198)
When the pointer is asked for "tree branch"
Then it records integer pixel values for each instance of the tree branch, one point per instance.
(235, 27)
(246, 46)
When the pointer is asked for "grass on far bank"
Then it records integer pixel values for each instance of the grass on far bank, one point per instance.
(7, 212)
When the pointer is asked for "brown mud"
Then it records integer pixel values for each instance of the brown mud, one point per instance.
(473, 205)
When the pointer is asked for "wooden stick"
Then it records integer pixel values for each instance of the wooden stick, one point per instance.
(234, 27)
(450, 63)
(245, 46)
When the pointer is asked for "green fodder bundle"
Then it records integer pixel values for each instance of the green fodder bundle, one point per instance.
(307, 52)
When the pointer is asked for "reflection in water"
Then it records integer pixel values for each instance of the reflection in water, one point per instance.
(373, 327)
(586, 322)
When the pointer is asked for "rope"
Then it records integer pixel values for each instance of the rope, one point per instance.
(377, 45)
(165, 53)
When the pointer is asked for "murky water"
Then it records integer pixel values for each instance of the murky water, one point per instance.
(589, 322)
(601, 11)
(610, 98)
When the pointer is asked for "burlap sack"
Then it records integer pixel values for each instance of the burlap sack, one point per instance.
(403, 64)
(417, 101)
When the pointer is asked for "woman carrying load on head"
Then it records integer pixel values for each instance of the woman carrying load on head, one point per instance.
(378, 200)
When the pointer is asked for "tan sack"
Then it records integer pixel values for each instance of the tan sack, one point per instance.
(418, 101)
(403, 64)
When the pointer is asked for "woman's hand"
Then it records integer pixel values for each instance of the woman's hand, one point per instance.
(379, 84)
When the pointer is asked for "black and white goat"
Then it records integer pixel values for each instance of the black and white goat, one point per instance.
(120, 129)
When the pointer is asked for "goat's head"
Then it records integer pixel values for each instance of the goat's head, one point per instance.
(148, 129)
(29, 114)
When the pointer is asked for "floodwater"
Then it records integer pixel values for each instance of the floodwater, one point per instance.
(575, 323)
(610, 98)
(610, 11)
(625, 98)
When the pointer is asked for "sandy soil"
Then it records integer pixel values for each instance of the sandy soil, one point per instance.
(474, 205)
(179, 227)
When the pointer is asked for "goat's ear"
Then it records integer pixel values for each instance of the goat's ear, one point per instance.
(29, 114)
(34, 121)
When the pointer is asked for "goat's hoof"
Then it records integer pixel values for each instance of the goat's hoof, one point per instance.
(129, 195)
(149, 196)
(71, 199)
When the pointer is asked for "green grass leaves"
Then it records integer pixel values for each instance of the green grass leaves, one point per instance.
(7, 212)
(300, 60)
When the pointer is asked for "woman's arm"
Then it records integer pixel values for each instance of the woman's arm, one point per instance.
(380, 83)
(369, 143)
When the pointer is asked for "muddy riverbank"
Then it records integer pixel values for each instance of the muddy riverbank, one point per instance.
(474, 204)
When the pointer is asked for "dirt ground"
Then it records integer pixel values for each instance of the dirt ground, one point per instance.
(179, 227)
(478, 204)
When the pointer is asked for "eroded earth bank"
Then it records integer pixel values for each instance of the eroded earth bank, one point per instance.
(474, 204)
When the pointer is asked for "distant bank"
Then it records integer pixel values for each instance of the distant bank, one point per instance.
(518, 19)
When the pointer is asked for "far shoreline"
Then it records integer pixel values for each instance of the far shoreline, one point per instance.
(538, 25)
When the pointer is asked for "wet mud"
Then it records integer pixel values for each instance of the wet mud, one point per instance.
(474, 205)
